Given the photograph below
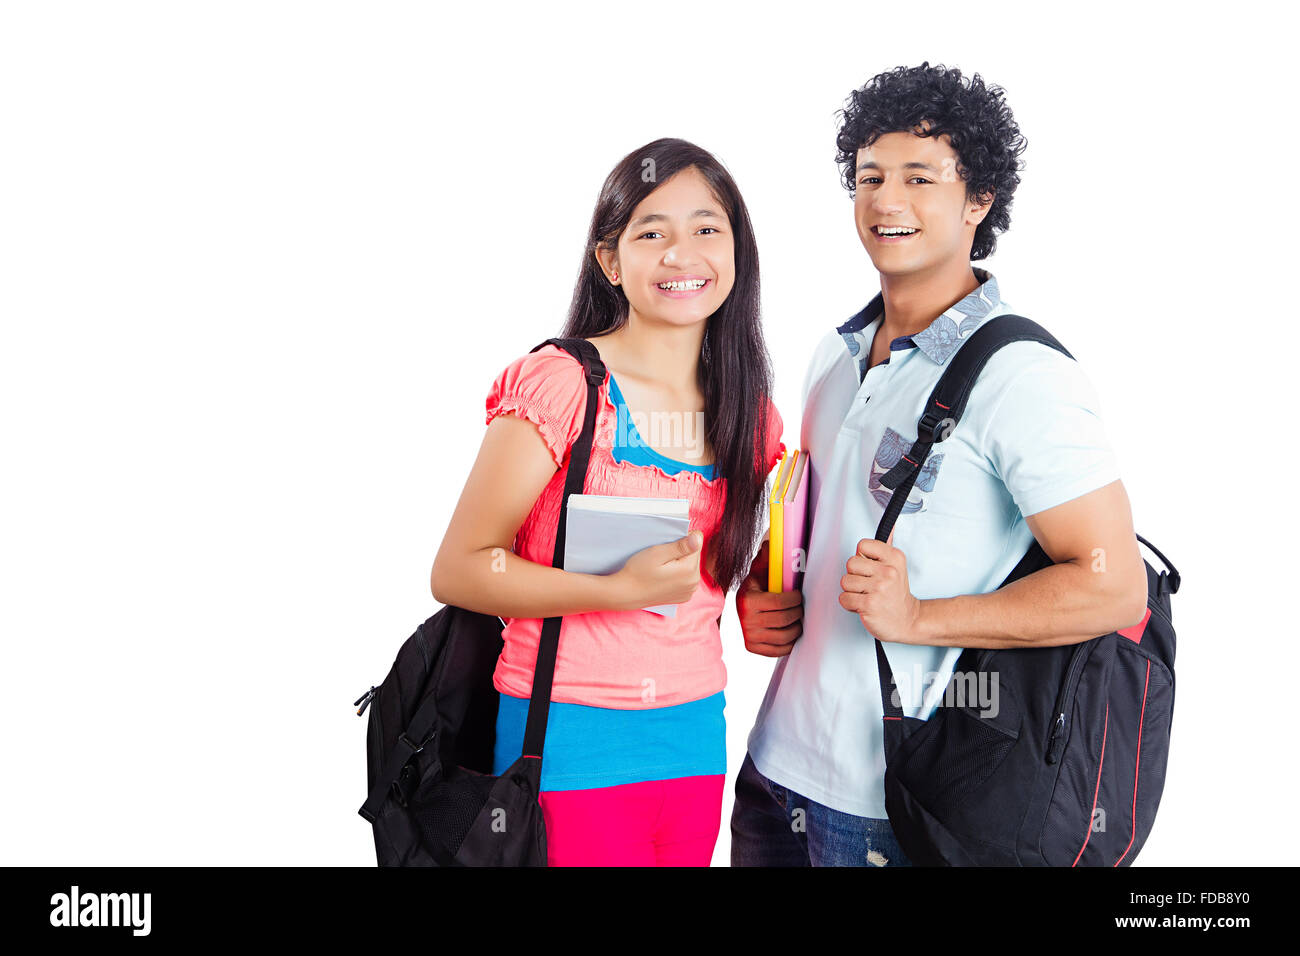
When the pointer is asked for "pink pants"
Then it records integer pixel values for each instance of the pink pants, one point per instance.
(655, 823)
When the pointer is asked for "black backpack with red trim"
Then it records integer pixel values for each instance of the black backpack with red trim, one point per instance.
(1068, 768)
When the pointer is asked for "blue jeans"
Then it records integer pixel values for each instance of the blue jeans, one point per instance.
(774, 826)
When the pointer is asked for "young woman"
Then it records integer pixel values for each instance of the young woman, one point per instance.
(668, 293)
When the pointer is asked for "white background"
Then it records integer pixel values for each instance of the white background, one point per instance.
(259, 263)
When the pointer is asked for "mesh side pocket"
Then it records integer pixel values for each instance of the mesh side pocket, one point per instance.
(956, 760)
(447, 809)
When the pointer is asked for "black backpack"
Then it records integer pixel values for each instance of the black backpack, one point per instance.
(1070, 770)
(429, 744)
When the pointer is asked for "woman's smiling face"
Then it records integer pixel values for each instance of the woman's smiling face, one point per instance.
(676, 258)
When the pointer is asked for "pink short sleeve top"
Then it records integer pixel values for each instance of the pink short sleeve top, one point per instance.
(627, 660)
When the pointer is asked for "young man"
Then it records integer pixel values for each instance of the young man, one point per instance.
(931, 161)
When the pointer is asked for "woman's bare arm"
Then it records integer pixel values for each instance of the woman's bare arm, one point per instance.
(476, 569)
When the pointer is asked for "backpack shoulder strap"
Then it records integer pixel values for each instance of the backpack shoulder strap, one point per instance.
(947, 402)
(539, 704)
(580, 451)
(583, 351)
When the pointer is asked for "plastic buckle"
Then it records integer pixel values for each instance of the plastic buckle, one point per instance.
(415, 748)
(934, 429)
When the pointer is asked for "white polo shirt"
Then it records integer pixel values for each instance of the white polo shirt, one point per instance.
(1030, 439)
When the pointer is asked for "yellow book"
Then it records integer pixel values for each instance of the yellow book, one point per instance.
(776, 534)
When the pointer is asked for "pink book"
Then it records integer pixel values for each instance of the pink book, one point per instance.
(794, 557)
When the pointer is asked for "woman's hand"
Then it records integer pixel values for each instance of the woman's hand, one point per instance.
(660, 574)
(771, 622)
(476, 567)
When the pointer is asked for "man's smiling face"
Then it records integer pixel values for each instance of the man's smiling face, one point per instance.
(910, 206)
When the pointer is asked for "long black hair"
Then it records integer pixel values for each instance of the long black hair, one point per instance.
(735, 371)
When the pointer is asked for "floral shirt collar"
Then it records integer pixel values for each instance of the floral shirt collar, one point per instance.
(938, 340)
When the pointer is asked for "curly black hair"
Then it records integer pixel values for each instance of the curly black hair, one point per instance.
(933, 101)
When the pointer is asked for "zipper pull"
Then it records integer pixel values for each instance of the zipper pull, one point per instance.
(364, 700)
(1058, 728)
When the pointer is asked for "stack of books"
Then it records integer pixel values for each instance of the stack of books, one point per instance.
(787, 538)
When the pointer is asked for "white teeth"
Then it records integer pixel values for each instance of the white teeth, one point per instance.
(687, 286)
(895, 230)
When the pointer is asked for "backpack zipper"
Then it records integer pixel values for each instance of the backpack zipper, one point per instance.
(1056, 742)
(364, 700)
(424, 653)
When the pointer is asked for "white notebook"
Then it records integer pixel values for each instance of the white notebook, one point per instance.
(603, 531)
